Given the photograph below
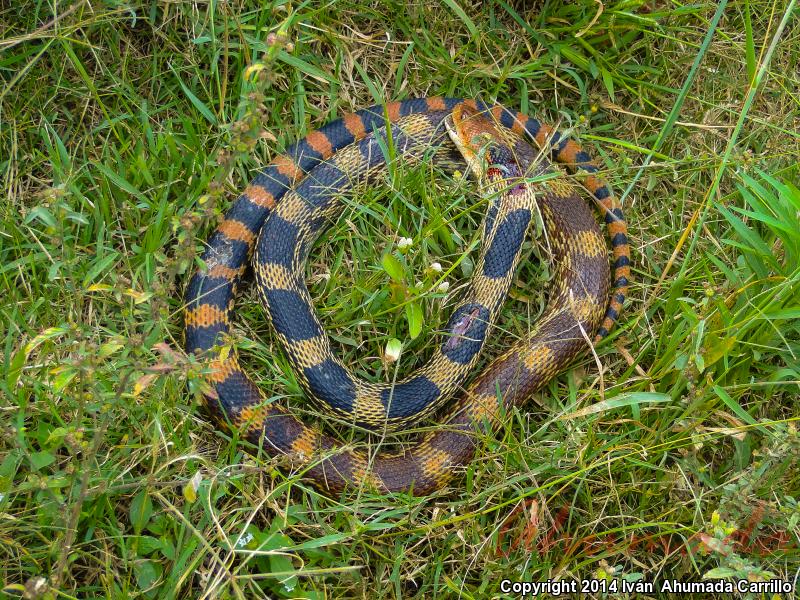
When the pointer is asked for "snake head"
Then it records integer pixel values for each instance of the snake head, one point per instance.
(480, 143)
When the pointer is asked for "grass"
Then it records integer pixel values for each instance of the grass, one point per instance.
(127, 127)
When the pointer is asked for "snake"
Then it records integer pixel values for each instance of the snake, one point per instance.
(280, 213)
(302, 215)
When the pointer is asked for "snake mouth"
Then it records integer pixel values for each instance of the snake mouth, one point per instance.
(472, 134)
(480, 143)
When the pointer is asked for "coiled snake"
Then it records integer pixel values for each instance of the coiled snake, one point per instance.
(300, 191)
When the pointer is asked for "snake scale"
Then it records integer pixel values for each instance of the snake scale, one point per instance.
(300, 193)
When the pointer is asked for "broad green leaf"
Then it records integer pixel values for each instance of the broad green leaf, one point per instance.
(147, 572)
(415, 318)
(63, 378)
(282, 568)
(40, 460)
(393, 267)
(608, 81)
(141, 510)
(716, 347)
(147, 544)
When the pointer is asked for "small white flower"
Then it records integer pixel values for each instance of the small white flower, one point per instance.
(394, 348)
(404, 242)
(245, 539)
(436, 267)
(443, 287)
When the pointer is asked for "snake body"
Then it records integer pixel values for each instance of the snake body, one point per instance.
(300, 188)
(303, 214)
